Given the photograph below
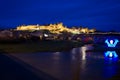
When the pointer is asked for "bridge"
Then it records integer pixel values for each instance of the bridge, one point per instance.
(96, 37)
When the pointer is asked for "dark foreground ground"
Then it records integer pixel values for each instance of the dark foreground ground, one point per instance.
(11, 70)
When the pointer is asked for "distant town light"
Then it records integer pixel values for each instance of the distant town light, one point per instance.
(112, 42)
(46, 35)
(55, 28)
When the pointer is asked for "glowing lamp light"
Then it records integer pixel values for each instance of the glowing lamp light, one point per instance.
(45, 35)
(111, 43)
(111, 54)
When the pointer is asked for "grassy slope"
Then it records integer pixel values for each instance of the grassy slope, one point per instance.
(27, 47)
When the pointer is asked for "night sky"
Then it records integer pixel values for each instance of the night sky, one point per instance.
(100, 14)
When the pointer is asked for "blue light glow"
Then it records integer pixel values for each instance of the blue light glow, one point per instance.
(111, 54)
(111, 43)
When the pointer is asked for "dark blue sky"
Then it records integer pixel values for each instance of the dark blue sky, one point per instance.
(100, 14)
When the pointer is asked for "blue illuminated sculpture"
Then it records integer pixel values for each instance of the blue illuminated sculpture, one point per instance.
(111, 54)
(111, 43)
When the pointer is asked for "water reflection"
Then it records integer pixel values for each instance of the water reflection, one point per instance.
(81, 51)
(111, 54)
(90, 62)
(56, 55)
(88, 51)
(74, 50)
(84, 49)
(82, 63)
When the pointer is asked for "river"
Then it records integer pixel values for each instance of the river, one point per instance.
(77, 64)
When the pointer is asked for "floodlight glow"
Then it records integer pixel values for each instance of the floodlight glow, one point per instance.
(111, 43)
(111, 54)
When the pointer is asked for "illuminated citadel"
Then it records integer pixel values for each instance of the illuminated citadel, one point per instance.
(55, 28)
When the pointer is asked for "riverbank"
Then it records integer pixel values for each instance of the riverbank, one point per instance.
(12, 69)
(39, 46)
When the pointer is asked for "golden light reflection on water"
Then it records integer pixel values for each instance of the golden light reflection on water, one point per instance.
(56, 56)
(83, 50)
